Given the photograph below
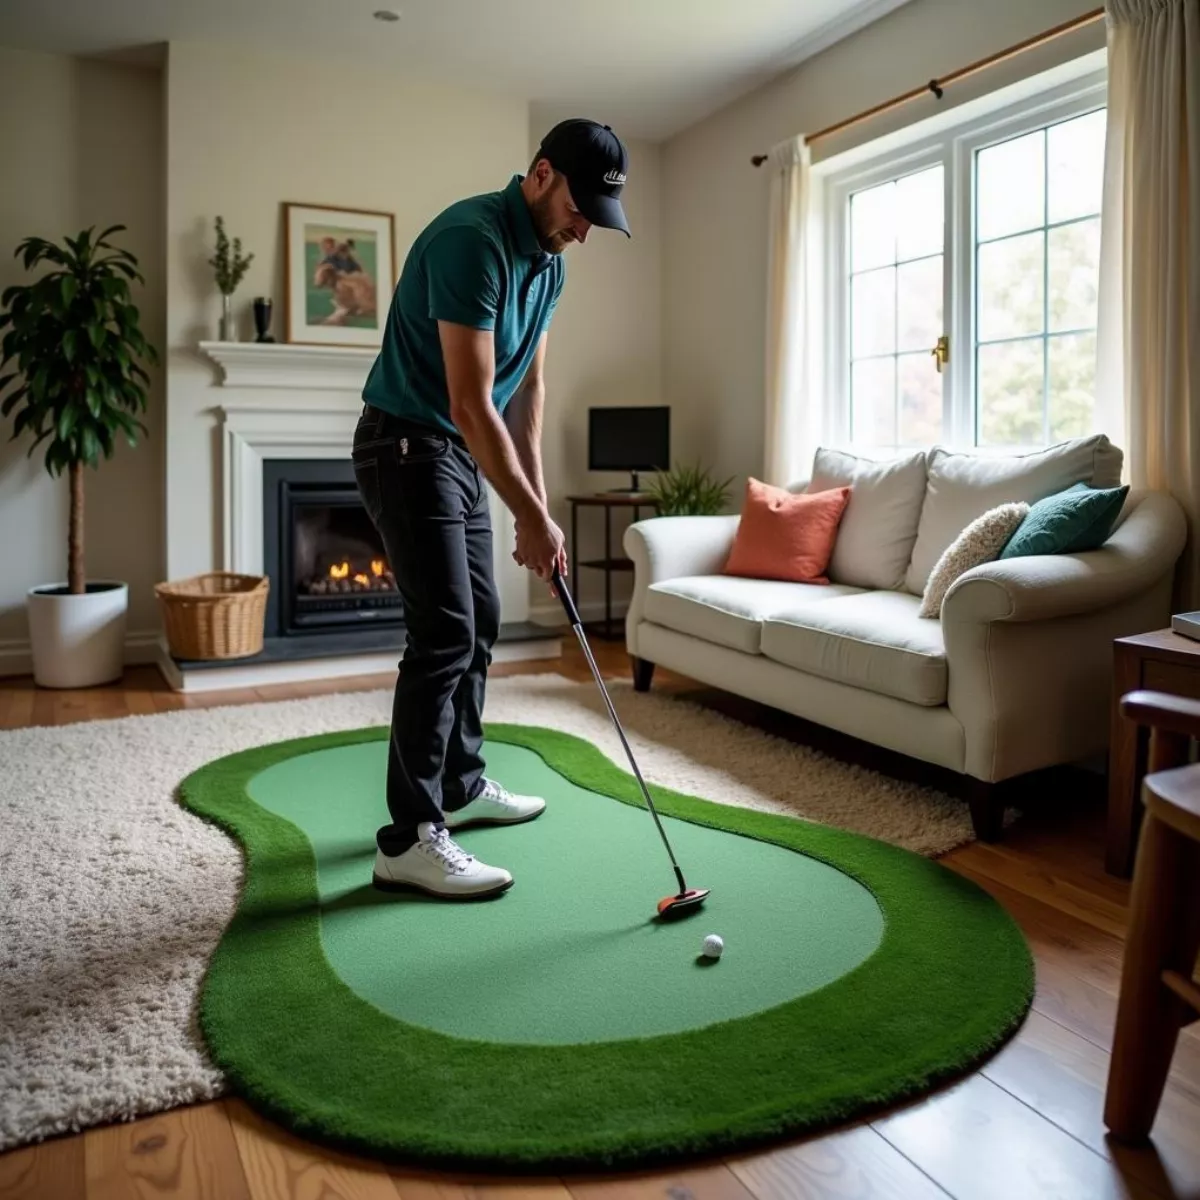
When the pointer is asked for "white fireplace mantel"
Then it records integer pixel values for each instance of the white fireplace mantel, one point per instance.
(284, 365)
(276, 421)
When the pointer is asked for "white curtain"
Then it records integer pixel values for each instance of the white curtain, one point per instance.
(1148, 382)
(795, 405)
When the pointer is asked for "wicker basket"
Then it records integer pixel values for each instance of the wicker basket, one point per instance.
(218, 615)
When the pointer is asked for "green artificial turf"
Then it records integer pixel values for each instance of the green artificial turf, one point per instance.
(319, 1027)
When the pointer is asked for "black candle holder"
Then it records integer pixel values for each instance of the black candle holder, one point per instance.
(262, 318)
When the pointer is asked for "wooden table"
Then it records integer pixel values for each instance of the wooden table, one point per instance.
(1162, 661)
(610, 562)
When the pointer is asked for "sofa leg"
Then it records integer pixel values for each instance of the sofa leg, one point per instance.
(986, 802)
(643, 672)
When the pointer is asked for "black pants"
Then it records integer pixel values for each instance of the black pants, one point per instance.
(428, 499)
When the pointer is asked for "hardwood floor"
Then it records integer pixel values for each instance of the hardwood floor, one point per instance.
(1025, 1126)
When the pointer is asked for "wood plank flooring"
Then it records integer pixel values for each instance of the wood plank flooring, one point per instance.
(1026, 1126)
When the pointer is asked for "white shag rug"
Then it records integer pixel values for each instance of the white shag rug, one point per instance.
(113, 897)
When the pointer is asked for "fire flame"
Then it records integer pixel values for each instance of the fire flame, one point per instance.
(342, 571)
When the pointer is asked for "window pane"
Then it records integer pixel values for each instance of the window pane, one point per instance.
(1010, 394)
(1074, 273)
(919, 303)
(1072, 388)
(873, 313)
(873, 401)
(873, 227)
(920, 400)
(1076, 153)
(1011, 186)
(920, 211)
(1010, 287)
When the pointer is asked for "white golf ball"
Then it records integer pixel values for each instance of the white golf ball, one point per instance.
(713, 945)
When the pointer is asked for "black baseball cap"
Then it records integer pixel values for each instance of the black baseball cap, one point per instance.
(595, 163)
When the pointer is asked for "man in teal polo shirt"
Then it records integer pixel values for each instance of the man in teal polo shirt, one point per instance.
(454, 401)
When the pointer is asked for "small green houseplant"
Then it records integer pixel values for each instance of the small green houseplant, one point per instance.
(230, 266)
(75, 340)
(689, 491)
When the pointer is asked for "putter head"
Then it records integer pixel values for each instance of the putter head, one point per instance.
(684, 902)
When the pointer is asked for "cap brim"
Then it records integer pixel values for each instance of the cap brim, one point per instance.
(605, 211)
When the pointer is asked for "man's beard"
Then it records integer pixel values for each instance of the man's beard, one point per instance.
(551, 241)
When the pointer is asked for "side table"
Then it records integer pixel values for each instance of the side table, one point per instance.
(1161, 661)
(610, 562)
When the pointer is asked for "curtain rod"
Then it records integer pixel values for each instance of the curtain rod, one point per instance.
(936, 86)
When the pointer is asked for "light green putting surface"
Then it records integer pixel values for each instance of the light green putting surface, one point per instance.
(571, 953)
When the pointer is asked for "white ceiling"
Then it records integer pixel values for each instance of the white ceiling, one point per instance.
(647, 67)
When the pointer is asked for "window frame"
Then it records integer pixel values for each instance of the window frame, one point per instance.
(954, 148)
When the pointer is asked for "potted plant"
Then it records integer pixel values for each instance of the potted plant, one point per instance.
(689, 491)
(230, 268)
(74, 338)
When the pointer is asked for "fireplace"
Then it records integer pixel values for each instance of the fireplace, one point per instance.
(326, 562)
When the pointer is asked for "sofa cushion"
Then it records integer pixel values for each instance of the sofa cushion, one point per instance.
(879, 527)
(962, 487)
(729, 610)
(873, 640)
(1070, 522)
(784, 535)
(981, 542)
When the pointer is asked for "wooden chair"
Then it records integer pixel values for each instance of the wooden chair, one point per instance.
(1159, 992)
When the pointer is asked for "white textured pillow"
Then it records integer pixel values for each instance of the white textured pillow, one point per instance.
(962, 486)
(877, 530)
(980, 542)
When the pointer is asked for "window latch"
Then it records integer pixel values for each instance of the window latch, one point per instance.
(941, 352)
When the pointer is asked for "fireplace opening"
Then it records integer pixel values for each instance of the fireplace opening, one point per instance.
(327, 563)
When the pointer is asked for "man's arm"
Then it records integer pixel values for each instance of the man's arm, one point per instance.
(470, 358)
(523, 419)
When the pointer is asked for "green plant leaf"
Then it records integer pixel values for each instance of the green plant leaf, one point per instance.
(69, 285)
(68, 345)
(66, 422)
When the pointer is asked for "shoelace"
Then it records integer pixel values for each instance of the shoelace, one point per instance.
(448, 852)
(493, 791)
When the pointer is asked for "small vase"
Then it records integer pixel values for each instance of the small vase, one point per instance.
(228, 324)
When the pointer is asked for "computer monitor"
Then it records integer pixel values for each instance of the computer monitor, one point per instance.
(629, 439)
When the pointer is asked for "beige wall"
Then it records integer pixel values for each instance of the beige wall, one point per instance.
(715, 202)
(82, 145)
(605, 348)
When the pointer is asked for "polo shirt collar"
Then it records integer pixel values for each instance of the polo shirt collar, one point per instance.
(520, 220)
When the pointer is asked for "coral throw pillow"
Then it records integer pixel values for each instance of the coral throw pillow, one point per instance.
(786, 535)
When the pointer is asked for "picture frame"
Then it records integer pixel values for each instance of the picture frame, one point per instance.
(339, 274)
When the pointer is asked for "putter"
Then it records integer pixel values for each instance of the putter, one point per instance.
(687, 898)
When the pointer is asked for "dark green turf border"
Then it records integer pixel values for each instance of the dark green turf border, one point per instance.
(951, 980)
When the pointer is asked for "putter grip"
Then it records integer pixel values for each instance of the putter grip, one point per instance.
(565, 596)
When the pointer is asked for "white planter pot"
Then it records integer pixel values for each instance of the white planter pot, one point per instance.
(77, 641)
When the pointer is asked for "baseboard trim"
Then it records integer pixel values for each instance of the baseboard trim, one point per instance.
(16, 654)
(550, 612)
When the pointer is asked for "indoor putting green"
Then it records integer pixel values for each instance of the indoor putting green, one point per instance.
(560, 1025)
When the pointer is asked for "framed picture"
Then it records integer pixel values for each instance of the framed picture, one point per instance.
(339, 274)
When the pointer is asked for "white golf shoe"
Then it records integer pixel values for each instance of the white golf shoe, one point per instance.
(495, 806)
(438, 865)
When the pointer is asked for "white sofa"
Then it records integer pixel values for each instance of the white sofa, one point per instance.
(1016, 674)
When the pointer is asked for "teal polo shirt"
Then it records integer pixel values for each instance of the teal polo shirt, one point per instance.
(478, 263)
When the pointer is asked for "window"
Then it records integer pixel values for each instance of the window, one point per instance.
(962, 279)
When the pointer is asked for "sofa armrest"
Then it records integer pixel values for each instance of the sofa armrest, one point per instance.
(673, 548)
(1139, 553)
(1029, 640)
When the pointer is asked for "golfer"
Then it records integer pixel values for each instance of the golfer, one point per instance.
(454, 400)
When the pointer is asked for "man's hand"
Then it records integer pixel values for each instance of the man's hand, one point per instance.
(540, 545)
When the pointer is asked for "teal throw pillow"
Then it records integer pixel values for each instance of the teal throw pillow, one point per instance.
(1081, 518)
